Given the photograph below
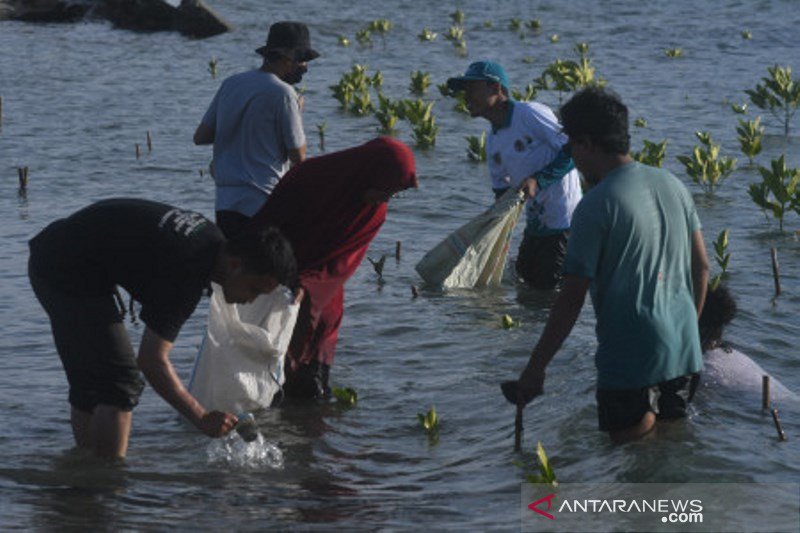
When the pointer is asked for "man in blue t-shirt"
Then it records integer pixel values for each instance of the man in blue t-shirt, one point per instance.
(255, 125)
(636, 244)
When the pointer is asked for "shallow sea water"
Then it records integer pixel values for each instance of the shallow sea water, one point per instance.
(77, 97)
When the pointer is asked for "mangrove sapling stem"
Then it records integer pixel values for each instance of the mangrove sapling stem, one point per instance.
(778, 426)
(149, 142)
(518, 429)
(776, 273)
(397, 250)
(22, 172)
(138, 152)
(765, 399)
(414, 291)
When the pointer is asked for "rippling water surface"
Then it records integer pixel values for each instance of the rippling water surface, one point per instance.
(77, 97)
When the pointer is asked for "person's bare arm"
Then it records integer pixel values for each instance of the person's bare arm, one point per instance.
(297, 155)
(153, 360)
(700, 269)
(203, 134)
(562, 319)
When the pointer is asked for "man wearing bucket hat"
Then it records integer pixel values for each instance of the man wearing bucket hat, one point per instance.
(526, 150)
(255, 125)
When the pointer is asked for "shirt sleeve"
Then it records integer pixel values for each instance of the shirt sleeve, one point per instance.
(291, 122)
(170, 313)
(210, 118)
(585, 243)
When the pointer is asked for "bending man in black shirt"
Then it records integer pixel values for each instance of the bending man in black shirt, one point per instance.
(165, 258)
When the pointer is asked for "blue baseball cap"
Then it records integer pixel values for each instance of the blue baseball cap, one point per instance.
(480, 70)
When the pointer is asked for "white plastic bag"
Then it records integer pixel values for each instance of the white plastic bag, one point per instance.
(240, 364)
(475, 254)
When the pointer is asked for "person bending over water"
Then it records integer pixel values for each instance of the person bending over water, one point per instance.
(330, 208)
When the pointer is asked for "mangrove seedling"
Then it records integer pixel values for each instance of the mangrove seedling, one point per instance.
(455, 34)
(427, 35)
(527, 96)
(476, 149)
(673, 52)
(461, 103)
(640, 122)
(212, 67)
(778, 190)
(739, 109)
(377, 79)
(554, 38)
(722, 257)
(429, 421)
(343, 41)
(387, 115)
(750, 134)
(705, 166)
(534, 24)
(747, 35)
(419, 114)
(651, 154)
(488, 23)
(345, 396)
(321, 127)
(457, 17)
(378, 265)
(515, 24)
(582, 49)
(779, 94)
(381, 27)
(545, 472)
(507, 322)
(364, 37)
(528, 60)
(420, 81)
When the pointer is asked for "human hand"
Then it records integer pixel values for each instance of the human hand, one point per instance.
(301, 102)
(529, 385)
(299, 294)
(216, 423)
(530, 187)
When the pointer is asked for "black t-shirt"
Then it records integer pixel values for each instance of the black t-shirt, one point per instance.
(160, 254)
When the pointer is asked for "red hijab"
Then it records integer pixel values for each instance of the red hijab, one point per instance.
(319, 205)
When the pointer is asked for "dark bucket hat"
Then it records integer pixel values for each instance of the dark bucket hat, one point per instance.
(290, 39)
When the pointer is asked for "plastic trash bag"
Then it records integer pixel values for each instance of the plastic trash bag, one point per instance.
(475, 254)
(240, 364)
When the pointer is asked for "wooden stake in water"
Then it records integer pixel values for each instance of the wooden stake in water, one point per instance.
(765, 399)
(22, 173)
(518, 429)
(776, 273)
(397, 250)
(149, 142)
(138, 152)
(778, 427)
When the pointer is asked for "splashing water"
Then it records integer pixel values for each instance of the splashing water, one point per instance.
(232, 451)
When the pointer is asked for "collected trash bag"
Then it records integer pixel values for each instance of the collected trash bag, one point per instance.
(240, 364)
(475, 254)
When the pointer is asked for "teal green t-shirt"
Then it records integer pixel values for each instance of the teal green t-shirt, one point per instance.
(631, 235)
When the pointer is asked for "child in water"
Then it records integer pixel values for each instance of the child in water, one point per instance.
(725, 367)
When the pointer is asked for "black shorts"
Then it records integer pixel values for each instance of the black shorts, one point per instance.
(624, 408)
(93, 345)
(540, 259)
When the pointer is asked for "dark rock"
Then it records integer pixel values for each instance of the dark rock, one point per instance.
(139, 15)
(43, 10)
(195, 19)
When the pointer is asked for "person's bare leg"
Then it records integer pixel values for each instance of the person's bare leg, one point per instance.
(645, 426)
(110, 429)
(81, 428)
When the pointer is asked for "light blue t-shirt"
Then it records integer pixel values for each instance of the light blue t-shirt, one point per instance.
(526, 144)
(256, 121)
(632, 236)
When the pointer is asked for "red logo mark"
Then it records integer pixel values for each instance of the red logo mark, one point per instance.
(549, 501)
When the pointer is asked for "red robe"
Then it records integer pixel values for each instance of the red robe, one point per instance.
(319, 205)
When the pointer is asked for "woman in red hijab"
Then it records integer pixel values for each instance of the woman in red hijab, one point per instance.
(330, 208)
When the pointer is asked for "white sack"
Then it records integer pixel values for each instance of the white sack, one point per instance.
(240, 364)
(475, 254)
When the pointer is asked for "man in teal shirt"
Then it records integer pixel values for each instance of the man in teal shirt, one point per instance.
(636, 243)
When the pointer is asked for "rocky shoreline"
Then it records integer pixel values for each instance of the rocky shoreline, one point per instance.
(191, 17)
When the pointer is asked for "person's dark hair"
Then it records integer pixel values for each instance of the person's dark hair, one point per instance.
(599, 114)
(718, 310)
(264, 251)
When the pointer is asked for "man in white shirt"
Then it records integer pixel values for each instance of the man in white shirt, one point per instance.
(255, 125)
(525, 149)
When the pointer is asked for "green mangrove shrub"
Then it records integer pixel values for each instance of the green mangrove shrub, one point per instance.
(652, 153)
(345, 396)
(420, 81)
(750, 134)
(778, 191)
(352, 91)
(779, 94)
(457, 17)
(387, 114)
(429, 421)
(476, 147)
(529, 93)
(212, 67)
(722, 257)
(364, 37)
(673, 52)
(343, 41)
(747, 35)
(640, 122)
(739, 109)
(544, 473)
(705, 166)
(534, 25)
(515, 24)
(427, 35)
